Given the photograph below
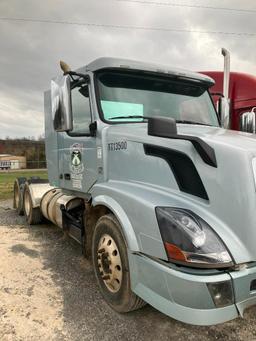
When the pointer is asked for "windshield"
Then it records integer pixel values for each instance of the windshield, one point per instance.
(131, 97)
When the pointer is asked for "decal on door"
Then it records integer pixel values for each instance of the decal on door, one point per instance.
(76, 165)
(114, 146)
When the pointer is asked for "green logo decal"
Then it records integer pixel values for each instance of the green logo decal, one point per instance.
(76, 158)
(76, 165)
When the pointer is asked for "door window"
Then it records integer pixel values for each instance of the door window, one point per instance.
(81, 111)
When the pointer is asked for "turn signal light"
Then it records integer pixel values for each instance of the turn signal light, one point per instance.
(174, 252)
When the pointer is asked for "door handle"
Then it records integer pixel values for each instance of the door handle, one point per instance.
(67, 176)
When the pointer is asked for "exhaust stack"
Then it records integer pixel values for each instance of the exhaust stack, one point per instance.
(225, 118)
(226, 77)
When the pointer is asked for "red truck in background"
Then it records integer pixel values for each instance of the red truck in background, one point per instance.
(239, 92)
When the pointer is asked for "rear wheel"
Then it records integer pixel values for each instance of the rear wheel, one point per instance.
(17, 198)
(33, 214)
(111, 266)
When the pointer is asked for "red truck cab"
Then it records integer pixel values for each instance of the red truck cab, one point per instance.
(242, 93)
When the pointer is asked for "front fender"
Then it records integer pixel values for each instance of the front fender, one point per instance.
(135, 209)
(121, 216)
(137, 202)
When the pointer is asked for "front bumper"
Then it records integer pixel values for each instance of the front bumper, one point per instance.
(185, 296)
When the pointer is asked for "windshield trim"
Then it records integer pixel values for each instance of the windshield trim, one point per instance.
(120, 70)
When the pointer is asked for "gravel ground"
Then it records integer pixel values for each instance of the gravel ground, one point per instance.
(48, 292)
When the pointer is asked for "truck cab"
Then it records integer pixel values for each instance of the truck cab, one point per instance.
(143, 176)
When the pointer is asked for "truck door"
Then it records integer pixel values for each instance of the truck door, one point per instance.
(77, 148)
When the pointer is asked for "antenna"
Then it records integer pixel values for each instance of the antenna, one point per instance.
(64, 67)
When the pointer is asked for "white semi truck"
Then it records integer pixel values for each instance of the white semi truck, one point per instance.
(142, 175)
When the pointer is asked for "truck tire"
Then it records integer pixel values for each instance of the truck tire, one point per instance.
(110, 261)
(18, 198)
(33, 214)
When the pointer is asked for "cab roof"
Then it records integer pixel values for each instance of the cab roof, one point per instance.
(107, 62)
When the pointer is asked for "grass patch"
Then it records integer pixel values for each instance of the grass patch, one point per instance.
(7, 180)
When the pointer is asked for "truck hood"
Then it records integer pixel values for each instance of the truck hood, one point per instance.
(212, 135)
(230, 187)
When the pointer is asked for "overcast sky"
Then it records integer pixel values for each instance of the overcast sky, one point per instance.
(30, 51)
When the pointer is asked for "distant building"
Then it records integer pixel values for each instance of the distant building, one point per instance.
(8, 161)
(34, 151)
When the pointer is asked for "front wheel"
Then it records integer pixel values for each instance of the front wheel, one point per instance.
(111, 266)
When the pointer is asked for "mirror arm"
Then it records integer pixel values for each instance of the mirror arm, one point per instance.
(67, 71)
(217, 94)
(77, 74)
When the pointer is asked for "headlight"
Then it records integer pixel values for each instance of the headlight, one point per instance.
(190, 240)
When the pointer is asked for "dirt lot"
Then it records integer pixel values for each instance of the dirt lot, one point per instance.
(48, 292)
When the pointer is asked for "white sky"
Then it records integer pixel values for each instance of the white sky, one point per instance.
(30, 52)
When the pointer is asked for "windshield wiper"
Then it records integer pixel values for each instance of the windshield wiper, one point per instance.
(192, 122)
(146, 118)
(129, 116)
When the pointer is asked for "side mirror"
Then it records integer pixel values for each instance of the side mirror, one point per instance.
(162, 126)
(218, 102)
(247, 121)
(223, 109)
(61, 103)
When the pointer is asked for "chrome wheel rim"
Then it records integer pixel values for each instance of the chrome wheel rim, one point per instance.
(109, 263)
(26, 203)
